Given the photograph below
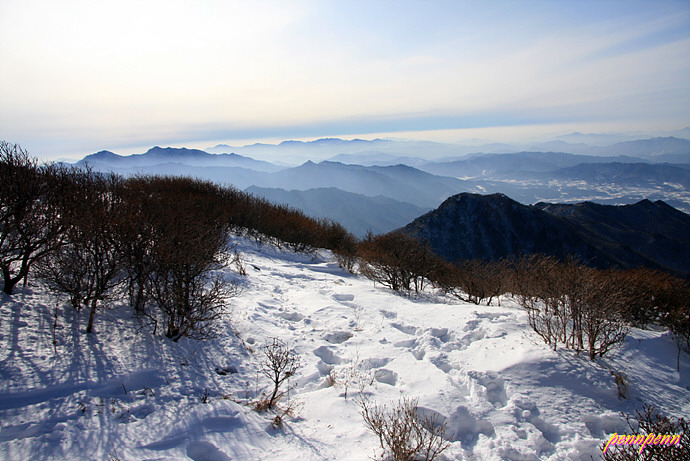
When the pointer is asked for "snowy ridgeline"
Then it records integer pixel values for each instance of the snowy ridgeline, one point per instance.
(123, 394)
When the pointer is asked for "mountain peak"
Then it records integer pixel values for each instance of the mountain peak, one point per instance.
(491, 227)
(176, 152)
(467, 197)
(103, 156)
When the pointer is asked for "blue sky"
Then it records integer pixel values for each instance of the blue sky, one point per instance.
(81, 76)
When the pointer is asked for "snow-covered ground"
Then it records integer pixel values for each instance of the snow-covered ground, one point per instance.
(123, 394)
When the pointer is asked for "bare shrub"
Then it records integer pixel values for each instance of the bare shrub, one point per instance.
(534, 284)
(677, 319)
(600, 316)
(280, 364)
(657, 297)
(357, 375)
(186, 242)
(289, 409)
(671, 304)
(384, 259)
(639, 297)
(30, 224)
(403, 433)
(621, 383)
(344, 247)
(88, 265)
(331, 378)
(572, 305)
(237, 261)
(397, 261)
(474, 281)
(136, 235)
(283, 225)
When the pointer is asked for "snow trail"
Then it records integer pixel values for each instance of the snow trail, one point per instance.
(126, 394)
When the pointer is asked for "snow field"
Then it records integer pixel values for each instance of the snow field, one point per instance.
(124, 394)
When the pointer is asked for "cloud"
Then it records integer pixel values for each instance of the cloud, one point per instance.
(132, 71)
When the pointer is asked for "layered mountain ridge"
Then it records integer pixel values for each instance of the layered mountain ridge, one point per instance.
(164, 155)
(382, 184)
(491, 227)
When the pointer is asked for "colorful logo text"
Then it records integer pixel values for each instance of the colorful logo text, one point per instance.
(643, 440)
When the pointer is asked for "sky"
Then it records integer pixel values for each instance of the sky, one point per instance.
(77, 77)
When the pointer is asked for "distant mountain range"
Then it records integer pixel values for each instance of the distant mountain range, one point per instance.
(490, 227)
(516, 165)
(390, 181)
(162, 155)
(659, 149)
(627, 174)
(399, 182)
(295, 152)
(363, 152)
(358, 213)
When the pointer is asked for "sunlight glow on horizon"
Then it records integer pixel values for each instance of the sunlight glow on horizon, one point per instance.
(77, 77)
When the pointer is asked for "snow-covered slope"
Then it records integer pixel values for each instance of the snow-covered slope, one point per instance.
(125, 394)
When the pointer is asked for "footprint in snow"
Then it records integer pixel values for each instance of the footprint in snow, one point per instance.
(327, 355)
(411, 345)
(527, 410)
(386, 376)
(406, 343)
(205, 451)
(600, 425)
(377, 362)
(472, 336)
(492, 315)
(441, 362)
(472, 325)
(141, 411)
(440, 333)
(343, 297)
(407, 329)
(494, 386)
(337, 337)
(465, 427)
(291, 316)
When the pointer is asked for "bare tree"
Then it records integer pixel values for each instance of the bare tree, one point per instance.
(601, 320)
(135, 233)
(534, 283)
(30, 224)
(189, 236)
(660, 298)
(88, 266)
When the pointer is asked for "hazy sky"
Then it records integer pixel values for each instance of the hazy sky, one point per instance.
(81, 76)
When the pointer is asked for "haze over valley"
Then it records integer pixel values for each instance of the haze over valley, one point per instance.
(381, 185)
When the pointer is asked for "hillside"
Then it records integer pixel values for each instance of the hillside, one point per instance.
(358, 213)
(646, 233)
(490, 227)
(399, 182)
(125, 394)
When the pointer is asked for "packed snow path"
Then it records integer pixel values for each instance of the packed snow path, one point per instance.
(124, 394)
